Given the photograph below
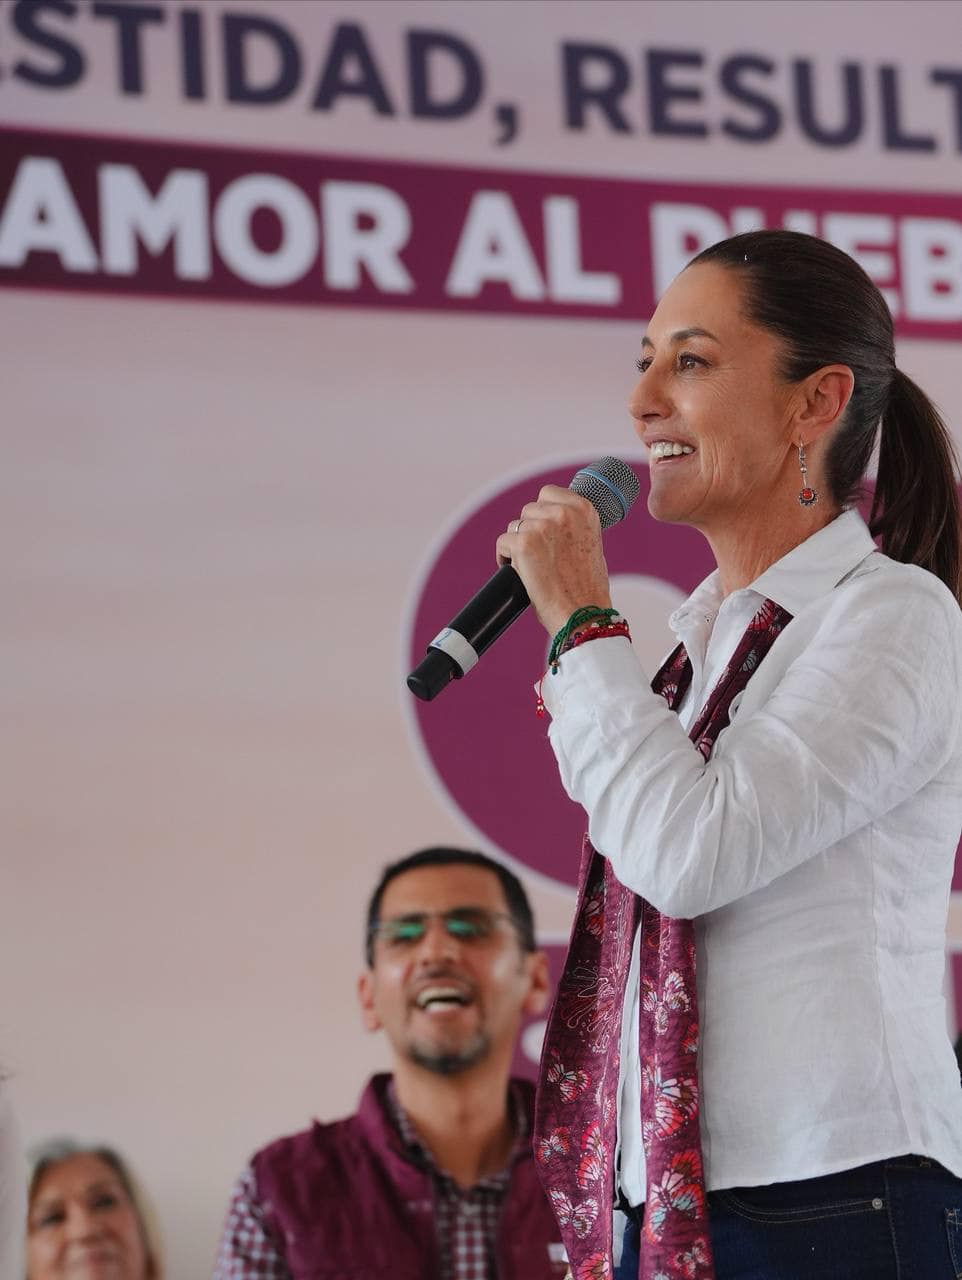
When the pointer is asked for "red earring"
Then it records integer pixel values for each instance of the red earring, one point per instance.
(807, 496)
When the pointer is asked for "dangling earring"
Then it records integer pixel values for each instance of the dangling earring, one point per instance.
(807, 495)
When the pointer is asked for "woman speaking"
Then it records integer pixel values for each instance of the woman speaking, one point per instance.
(748, 1050)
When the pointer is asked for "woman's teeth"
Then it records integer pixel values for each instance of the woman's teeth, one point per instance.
(666, 449)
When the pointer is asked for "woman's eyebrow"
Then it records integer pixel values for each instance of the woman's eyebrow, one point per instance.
(43, 1203)
(680, 335)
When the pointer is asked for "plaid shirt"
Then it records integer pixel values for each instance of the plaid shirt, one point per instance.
(466, 1220)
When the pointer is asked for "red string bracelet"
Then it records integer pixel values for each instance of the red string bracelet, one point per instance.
(596, 631)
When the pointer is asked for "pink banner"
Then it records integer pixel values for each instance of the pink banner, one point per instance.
(177, 220)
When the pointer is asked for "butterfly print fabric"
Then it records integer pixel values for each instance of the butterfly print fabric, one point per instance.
(576, 1122)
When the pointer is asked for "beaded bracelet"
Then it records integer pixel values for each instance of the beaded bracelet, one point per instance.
(587, 613)
(598, 630)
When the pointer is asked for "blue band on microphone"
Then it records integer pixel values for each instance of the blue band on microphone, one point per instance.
(613, 489)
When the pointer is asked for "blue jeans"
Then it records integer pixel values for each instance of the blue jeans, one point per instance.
(898, 1219)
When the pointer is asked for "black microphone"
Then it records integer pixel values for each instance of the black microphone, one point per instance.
(611, 487)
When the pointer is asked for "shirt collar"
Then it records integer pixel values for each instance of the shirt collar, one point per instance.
(802, 576)
(810, 570)
(417, 1149)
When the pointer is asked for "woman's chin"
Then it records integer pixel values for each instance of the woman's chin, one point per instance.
(667, 507)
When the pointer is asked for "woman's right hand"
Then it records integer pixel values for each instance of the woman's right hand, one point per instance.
(555, 547)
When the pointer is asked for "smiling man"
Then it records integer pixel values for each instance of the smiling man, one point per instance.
(433, 1178)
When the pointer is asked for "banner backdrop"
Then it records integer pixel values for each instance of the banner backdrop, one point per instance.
(179, 221)
(232, 527)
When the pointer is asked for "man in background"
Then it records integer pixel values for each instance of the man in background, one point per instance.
(433, 1177)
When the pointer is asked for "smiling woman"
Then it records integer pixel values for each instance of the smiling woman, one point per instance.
(752, 1003)
(86, 1217)
(705, 403)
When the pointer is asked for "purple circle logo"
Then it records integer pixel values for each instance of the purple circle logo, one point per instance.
(486, 749)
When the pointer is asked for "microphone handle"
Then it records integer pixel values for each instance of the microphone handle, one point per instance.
(492, 610)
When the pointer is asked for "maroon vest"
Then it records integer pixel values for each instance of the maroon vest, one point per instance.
(346, 1202)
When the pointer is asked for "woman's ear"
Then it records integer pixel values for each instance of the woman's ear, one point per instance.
(823, 399)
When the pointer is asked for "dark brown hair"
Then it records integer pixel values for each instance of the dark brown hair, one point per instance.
(825, 310)
(519, 907)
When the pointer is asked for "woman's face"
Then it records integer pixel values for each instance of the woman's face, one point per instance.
(83, 1226)
(708, 383)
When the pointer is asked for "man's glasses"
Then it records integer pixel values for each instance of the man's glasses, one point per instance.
(466, 924)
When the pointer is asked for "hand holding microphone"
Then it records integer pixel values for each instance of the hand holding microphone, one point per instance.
(556, 563)
(555, 548)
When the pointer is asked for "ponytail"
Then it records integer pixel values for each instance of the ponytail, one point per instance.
(915, 509)
(824, 309)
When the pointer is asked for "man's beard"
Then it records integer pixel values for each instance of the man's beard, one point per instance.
(448, 1062)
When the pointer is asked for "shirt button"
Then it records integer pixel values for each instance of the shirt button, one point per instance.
(878, 1204)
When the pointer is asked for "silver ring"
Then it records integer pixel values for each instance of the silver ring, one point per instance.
(517, 524)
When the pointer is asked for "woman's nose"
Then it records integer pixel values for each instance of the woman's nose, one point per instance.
(648, 400)
(82, 1223)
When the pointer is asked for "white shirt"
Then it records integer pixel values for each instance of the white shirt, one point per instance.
(814, 849)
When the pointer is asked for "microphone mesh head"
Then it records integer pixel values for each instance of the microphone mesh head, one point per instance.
(610, 486)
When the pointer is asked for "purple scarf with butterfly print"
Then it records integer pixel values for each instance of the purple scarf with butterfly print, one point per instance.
(575, 1120)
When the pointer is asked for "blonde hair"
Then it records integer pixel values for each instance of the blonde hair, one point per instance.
(47, 1155)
